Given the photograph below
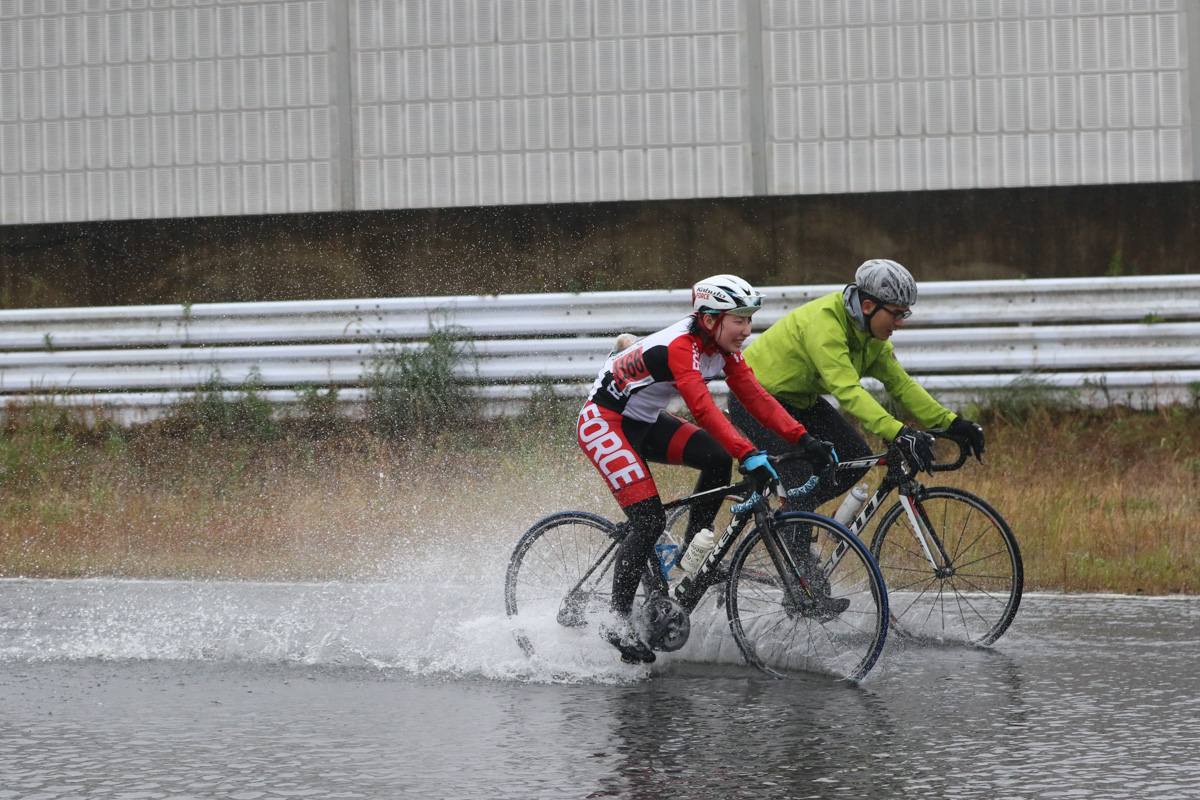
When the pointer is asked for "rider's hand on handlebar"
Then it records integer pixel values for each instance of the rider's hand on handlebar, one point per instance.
(820, 454)
(917, 449)
(756, 465)
(971, 433)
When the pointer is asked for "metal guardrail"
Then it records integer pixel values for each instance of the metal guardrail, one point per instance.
(943, 304)
(1132, 339)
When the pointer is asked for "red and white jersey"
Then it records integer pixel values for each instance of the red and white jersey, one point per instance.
(642, 379)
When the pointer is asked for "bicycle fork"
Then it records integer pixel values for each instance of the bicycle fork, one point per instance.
(796, 589)
(918, 519)
(910, 500)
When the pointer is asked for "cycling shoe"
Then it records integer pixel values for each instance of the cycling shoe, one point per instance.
(828, 608)
(621, 635)
(820, 606)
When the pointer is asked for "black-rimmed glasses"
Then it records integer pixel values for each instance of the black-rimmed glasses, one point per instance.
(896, 314)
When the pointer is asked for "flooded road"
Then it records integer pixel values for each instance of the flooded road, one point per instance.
(412, 689)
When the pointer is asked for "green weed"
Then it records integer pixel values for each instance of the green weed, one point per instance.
(210, 413)
(412, 389)
(1116, 265)
(549, 407)
(37, 438)
(1025, 398)
(318, 412)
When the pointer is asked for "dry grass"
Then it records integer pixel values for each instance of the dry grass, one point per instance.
(287, 509)
(1099, 502)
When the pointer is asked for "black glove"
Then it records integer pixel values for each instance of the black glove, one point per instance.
(820, 454)
(917, 449)
(971, 433)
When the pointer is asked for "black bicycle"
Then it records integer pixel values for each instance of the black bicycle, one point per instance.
(951, 563)
(801, 592)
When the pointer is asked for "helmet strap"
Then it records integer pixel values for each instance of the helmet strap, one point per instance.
(868, 317)
(710, 334)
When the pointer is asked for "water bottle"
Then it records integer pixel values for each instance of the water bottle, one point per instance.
(698, 550)
(850, 507)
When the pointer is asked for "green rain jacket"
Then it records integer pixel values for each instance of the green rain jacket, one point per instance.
(817, 349)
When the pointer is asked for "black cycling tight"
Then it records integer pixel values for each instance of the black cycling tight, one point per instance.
(646, 517)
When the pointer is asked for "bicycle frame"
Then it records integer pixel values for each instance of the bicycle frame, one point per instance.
(909, 487)
(789, 604)
(691, 589)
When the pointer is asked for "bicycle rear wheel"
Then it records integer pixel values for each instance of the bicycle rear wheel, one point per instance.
(972, 597)
(839, 624)
(561, 572)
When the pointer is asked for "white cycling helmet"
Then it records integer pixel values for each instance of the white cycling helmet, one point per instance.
(885, 281)
(726, 294)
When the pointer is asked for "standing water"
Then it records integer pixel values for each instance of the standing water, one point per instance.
(417, 689)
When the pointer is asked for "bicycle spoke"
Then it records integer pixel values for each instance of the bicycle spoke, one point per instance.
(963, 599)
(915, 553)
(974, 594)
(977, 589)
(763, 577)
(838, 624)
(962, 531)
(560, 574)
(981, 559)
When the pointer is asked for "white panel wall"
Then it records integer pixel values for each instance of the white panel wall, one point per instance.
(885, 95)
(477, 102)
(112, 109)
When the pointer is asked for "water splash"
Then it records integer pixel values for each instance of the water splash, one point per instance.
(447, 628)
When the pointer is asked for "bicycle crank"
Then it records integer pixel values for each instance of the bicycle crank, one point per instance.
(665, 624)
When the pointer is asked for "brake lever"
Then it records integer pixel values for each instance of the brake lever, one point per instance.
(829, 476)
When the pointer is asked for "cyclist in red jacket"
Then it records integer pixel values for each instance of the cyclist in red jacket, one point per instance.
(624, 424)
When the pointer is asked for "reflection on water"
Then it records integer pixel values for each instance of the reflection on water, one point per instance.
(749, 736)
(147, 690)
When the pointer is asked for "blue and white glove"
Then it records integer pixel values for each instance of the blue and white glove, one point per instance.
(756, 465)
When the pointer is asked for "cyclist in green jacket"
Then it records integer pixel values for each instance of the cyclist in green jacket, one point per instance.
(826, 346)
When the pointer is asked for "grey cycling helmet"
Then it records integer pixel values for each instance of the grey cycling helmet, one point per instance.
(726, 293)
(885, 281)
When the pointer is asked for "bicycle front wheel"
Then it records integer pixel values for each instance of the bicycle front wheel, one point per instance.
(560, 573)
(970, 592)
(832, 619)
